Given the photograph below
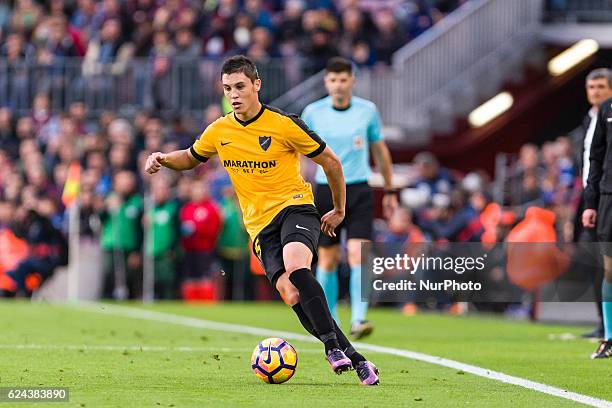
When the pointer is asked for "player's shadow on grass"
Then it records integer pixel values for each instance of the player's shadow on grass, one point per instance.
(320, 384)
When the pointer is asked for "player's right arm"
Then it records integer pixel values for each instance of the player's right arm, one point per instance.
(187, 159)
(178, 160)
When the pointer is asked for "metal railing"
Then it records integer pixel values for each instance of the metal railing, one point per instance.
(464, 40)
(188, 86)
(448, 69)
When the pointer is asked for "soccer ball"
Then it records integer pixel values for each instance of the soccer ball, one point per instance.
(274, 361)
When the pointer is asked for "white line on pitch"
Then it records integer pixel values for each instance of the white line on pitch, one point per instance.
(236, 328)
(100, 347)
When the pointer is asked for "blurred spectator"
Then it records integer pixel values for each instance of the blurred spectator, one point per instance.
(108, 53)
(16, 49)
(121, 238)
(260, 16)
(179, 133)
(320, 49)
(420, 19)
(8, 138)
(47, 247)
(433, 182)
(163, 224)
(56, 42)
(83, 17)
(186, 44)
(449, 220)
(290, 27)
(26, 15)
(355, 29)
(234, 250)
(400, 229)
(390, 36)
(161, 58)
(200, 228)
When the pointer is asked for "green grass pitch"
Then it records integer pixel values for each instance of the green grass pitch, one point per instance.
(116, 361)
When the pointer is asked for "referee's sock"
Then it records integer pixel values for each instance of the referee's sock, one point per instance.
(606, 305)
(359, 309)
(313, 303)
(329, 282)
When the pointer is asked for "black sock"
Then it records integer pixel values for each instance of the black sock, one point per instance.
(304, 320)
(312, 300)
(344, 343)
(347, 347)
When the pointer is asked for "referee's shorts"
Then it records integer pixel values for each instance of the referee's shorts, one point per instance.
(359, 212)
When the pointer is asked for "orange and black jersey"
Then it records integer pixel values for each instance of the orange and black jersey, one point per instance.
(261, 157)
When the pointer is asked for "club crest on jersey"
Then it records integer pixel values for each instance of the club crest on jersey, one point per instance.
(265, 142)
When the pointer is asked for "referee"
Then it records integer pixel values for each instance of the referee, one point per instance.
(351, 126)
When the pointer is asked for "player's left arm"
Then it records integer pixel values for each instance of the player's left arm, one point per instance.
(305, 141)
(383, 162)
(332, 167)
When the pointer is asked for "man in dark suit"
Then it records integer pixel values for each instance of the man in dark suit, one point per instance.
(598, 213)
(598, 89)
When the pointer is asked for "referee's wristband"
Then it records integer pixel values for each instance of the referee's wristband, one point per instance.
(390, 191)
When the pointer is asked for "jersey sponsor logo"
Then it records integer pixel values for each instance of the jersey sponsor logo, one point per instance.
(298, 226)
(298, 196)
(250, 164)
(225, 143)
(265, 142)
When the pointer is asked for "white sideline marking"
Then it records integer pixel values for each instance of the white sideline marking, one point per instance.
(100, 347)
(236, 328)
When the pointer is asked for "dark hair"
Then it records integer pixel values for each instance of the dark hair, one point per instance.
(601, 73)
(338, 65)
(241, 64)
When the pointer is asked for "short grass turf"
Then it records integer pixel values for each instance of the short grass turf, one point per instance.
(98, 356)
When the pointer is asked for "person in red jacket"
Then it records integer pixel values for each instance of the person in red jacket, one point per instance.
(200, 228)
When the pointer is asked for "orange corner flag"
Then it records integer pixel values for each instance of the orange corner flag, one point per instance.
(73, 184)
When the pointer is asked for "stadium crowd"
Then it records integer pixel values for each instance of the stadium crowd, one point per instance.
(113, 31)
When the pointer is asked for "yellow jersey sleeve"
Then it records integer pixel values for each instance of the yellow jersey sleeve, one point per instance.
(204, 147)
(300, 137)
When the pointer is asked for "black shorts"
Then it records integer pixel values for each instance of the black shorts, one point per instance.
(604, 223)
(359, 212)
(296, 223)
